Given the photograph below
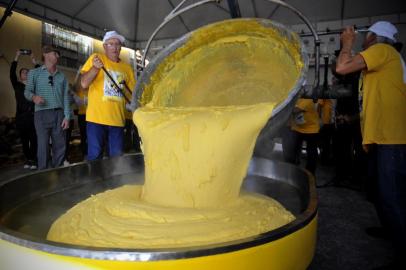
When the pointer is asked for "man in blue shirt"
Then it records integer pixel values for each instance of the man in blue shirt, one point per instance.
(48, 88)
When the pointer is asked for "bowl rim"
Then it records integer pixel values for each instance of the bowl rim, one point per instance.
(157, 254)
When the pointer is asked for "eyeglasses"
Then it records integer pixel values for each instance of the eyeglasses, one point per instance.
(51, 80)
(113, 45)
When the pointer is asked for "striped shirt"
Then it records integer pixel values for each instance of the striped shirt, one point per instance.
(53, 88)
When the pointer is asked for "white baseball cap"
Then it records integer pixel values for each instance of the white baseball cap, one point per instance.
(113, 34)
(384, 29)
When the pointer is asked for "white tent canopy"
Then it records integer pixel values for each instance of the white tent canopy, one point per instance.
(137, 19)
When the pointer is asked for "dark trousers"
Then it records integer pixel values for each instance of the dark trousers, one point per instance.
(292, 148)
(349, 156)
(387, 175)
(325, 143)
(98, 134)
(131, 137)
(83, 133)
(26, 129)
(68, 138)
(48, 126)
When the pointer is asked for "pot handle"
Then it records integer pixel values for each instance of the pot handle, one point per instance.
(178, 10)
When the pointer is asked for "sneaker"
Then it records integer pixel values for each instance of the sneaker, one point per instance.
(33, 167)
(26, 166)
(66, 163)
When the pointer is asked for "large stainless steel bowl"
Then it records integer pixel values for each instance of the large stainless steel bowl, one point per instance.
(30, 204)
(281, 112)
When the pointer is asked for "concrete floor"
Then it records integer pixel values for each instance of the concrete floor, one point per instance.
(343, 216)
(342, 242)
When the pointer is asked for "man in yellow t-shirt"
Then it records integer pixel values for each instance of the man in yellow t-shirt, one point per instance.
(304, 126)
(105, 114)
(383, 123)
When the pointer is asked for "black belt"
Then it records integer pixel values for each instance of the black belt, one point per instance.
(52, 109)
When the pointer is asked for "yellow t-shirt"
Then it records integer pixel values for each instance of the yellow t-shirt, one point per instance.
(106, 104)
(383, 116)
(326, 109)
(307, 120)
(128, 114)
(82, 93)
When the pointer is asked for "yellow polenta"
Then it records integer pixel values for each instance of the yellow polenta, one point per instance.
(202, 112)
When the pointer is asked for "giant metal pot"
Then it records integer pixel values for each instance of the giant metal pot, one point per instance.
(30, 203)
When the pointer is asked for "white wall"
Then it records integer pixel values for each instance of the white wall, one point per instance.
(330, 43)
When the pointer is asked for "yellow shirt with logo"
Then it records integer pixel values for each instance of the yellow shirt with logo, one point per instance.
(106, 104)
(326, 109)
(383, 116)
(307, 119)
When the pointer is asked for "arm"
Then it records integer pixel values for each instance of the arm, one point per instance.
(66, 100)
(34, 62)
(29, 91)
(346, 63)
(13, 69)
(66, 105)
(88, 77)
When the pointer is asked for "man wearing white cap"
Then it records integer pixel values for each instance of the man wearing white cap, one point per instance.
(383, 123)
(105, 114)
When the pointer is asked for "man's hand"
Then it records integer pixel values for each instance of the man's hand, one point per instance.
(65, 124)
(348, 38)
(18, 53)
(347, 63)
(34, 62)
(365, 147)
(38, 100)
(97, 63)
(87, 78)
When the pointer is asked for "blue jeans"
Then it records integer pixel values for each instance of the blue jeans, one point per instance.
(98, 135)
(390, 200)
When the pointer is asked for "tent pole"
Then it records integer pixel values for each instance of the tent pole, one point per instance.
(234, 8)
(7, 12)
